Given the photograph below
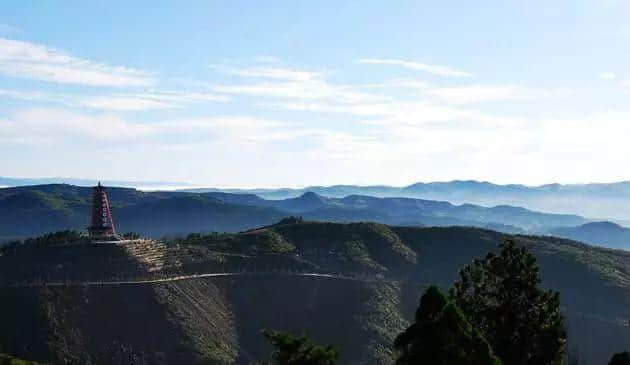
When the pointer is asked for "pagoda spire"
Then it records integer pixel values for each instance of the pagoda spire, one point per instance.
(101, 224)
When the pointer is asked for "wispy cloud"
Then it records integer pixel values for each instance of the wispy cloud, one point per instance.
(439, 70)
(390, 123)
(59, 125)
(54, 126)
(491, 93)
(148, 101)
(381, 106)
(120, 101)
(269, 72)
(607, 75)
(291, 83)
(32, 95)
(398, 83)
(34, 61)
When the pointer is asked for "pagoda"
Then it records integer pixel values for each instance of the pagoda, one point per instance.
(102, 224)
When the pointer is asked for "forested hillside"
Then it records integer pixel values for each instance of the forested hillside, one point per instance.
(369, 281)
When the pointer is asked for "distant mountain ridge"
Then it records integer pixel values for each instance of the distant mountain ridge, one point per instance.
(409, 210)
(606, 234)
(598, 200)
(14, 182)
(602, 201)
(31, 210)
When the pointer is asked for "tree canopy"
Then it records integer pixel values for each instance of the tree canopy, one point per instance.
(441, 335)
(502, 298)
(621, 358)
(298, 350)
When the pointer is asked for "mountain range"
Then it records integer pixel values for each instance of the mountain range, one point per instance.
(597, 200)
(153, 185)
(32, 210)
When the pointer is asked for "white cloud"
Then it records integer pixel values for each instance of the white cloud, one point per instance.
(398, 83)
(124, 103)
(433, 69)
(148, 101)
(269, 72)
(291, 83)
(34, 61)
(31, 95)
(607, 75)
(399, 128)
(487, 93)
(59, 125)
(311, 89)
(120, 101)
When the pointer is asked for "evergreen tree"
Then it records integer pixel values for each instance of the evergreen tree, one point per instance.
(621, 358)
(501, 296)
(441, 335)
(294, 350)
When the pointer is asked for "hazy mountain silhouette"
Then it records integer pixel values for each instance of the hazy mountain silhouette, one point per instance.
(13, 182)
(598, 233)
(38, 209)
(611, 200)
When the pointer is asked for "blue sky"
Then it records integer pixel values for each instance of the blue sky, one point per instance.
(295, 93)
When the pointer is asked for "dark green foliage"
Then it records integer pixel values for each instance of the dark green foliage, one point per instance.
(131, 236)
(621, 358)
(501, 296)
(49, 239)
(441, 335)
(56, 238)
(290, 220)
(370, 244)
(10, 360)
(298, 350)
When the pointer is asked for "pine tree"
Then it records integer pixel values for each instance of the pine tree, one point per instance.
(441, 335)
(621, 358)
(298, 350)
(501, 296)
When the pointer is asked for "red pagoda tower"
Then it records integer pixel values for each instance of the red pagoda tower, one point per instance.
(102, 223)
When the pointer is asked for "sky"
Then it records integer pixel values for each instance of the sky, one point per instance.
(299, 93)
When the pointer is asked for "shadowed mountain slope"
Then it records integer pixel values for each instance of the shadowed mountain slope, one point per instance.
(376, 273)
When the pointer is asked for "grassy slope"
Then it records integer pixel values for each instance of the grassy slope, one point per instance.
(219, 319)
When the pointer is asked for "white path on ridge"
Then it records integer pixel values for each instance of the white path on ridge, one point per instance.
(180, 278)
